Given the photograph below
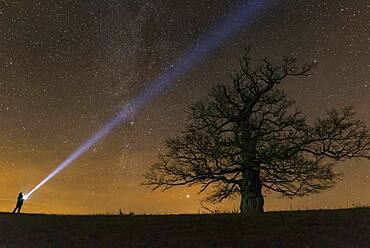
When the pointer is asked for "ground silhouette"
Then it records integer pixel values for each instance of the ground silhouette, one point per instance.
(320, 228)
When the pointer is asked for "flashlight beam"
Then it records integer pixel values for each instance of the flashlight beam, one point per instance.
(242, 16)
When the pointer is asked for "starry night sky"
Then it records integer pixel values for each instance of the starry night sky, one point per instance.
(67, 66)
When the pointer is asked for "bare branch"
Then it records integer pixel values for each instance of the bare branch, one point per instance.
(247, 135)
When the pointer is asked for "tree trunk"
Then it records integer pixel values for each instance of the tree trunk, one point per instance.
(251, 193)
(251, 201)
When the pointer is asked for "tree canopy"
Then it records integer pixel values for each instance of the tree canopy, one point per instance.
(248, 135)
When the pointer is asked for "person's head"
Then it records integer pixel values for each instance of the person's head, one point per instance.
(20, 194)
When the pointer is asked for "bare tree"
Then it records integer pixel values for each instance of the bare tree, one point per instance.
(248, 136)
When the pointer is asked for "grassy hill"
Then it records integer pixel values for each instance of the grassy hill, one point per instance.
(320, 228)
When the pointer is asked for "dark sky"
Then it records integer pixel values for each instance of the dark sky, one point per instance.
(67, 66)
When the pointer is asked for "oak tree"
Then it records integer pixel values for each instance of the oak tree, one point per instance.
(248, 136)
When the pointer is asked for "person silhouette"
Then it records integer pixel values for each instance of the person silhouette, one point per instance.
(20, 200)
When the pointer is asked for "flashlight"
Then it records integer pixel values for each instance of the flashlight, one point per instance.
(25, 197)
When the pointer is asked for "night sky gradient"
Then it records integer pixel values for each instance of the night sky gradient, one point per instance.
(66, 67)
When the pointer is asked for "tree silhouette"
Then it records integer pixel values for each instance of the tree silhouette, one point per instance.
(248, 136)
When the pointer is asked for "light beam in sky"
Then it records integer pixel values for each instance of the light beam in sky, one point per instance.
(242, 16)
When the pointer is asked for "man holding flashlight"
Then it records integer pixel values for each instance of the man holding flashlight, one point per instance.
(19, 205)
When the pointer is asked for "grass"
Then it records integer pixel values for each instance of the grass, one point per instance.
(316, 228)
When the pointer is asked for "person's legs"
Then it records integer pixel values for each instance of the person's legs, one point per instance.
(19, 209)
(15, 209)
